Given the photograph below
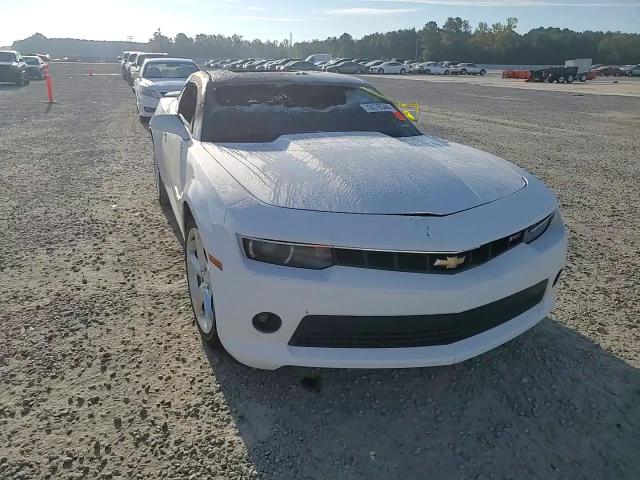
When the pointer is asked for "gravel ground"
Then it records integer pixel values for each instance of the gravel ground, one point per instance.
(102, 373)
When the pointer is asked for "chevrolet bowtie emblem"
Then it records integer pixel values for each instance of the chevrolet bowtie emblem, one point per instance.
(450, 262)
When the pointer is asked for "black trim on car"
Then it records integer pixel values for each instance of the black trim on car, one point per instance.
(334, 331)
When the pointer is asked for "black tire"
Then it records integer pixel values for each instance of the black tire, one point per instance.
(483, 72)
(359, 72)
(210, 338)
(570, 79)
(583, 77)
(381, 71)
(427, 71)
(21, 80)
(561, 79)
(447, 72)
(402, 71)
(463, 71)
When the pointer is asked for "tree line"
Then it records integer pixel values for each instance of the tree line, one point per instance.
(498, 43)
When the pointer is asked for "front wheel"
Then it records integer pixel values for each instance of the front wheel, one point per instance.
(427, 71)
(446, 72)
(583, 77)
(380, 71)
(199, 283)
(402, 71)
(463, 71)
(483, 72)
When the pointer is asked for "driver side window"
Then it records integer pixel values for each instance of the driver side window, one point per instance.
(187, 106)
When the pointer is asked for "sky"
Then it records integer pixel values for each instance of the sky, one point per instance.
(304, 19)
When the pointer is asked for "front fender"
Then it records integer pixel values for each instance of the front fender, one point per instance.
(208, 192)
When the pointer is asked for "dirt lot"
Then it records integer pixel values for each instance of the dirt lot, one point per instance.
(102, 373)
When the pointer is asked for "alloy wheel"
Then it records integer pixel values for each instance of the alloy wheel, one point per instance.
(198, 278)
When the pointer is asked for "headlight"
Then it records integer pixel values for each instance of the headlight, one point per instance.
(148, 92)
(288, 254)
(537, 229)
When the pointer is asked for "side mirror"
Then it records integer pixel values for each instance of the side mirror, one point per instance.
(169, 124)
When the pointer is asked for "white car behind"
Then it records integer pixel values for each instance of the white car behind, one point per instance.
(390, 67)
(433, 68)
(467, 69)
(158, 77)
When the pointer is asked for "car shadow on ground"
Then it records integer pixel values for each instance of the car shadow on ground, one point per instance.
(549, 404)
(173, 223)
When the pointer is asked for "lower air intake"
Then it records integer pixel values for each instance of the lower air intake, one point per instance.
(329, 331)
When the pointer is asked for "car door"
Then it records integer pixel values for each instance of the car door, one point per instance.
(174, 148)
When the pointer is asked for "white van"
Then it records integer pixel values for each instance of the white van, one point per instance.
(319, 57)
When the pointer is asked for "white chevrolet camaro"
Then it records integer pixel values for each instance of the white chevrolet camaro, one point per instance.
(322, 228)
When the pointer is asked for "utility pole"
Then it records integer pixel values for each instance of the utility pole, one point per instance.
(129, 40)
(290, 45)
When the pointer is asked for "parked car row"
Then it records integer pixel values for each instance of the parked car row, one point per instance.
(132, 62)
(153, 76)
(261, 64)
(19, 69)
(347, 65)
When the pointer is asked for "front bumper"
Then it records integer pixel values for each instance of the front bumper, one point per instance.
(147, 105)
(246, 288)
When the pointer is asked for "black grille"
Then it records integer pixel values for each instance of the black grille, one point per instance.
(426, 262)
(412, 331)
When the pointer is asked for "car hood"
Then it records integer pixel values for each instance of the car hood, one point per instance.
(368, 173)
(164, 85)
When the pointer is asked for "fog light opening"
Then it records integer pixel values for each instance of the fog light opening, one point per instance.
(267, 322)
(557, 278)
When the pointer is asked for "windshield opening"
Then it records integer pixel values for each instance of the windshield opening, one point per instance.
(262, 113)
(169, 70)
(31, 61)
